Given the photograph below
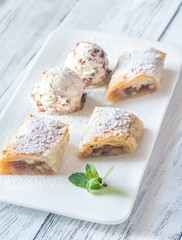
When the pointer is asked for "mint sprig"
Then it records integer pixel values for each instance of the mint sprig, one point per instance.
(89, 180)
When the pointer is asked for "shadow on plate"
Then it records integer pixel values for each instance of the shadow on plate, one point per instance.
(110, 190)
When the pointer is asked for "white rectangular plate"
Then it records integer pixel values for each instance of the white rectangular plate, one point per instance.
(56, 194)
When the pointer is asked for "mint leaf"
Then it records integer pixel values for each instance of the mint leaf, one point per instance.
(91, 171)
(93, 184)
(107, 173)
(89, 180)
(79, 179)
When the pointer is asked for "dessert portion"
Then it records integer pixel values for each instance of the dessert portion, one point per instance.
(90, 62)
(60, 91)
(37, 148)
(138, 72)
(110, 131)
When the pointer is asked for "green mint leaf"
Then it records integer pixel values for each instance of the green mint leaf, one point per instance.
(79, 179)
(89, 180)
(93, 184)
(107, 173)
(91, 171)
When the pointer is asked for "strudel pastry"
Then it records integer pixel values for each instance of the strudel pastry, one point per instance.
(90, 62)
(60, 91)
(111, 131)
(37, 148)
(138, 72)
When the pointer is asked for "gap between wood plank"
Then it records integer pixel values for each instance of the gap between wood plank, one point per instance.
(44, 222)
(167, 26)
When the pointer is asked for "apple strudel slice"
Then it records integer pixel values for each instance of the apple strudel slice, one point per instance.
(37, 148)
(138, 72)
(110, 131)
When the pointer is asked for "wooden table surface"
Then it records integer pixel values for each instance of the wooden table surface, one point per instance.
(24, 26)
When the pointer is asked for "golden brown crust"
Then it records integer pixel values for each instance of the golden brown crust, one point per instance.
(111, 131)
(138, 72)
(37, 148)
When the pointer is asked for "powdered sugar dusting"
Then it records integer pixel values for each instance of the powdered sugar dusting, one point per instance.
(38, 134)
(107, 121)
(135, 61)
(31, 184)
(56, 193)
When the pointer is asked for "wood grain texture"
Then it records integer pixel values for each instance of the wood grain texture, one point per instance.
(23, 29)
(173, 34)
(146, 19)
(157, 212)
(14, 224)
(133, 18)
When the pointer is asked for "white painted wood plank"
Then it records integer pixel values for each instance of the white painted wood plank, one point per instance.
(19, 223)
(143, 224)
(133, 18)
(157, 212)
(146, 19)
(23, 29)
(173, 34)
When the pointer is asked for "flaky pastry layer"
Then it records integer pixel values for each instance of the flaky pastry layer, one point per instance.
(138, 72)
(110, 131)
(37, 148)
